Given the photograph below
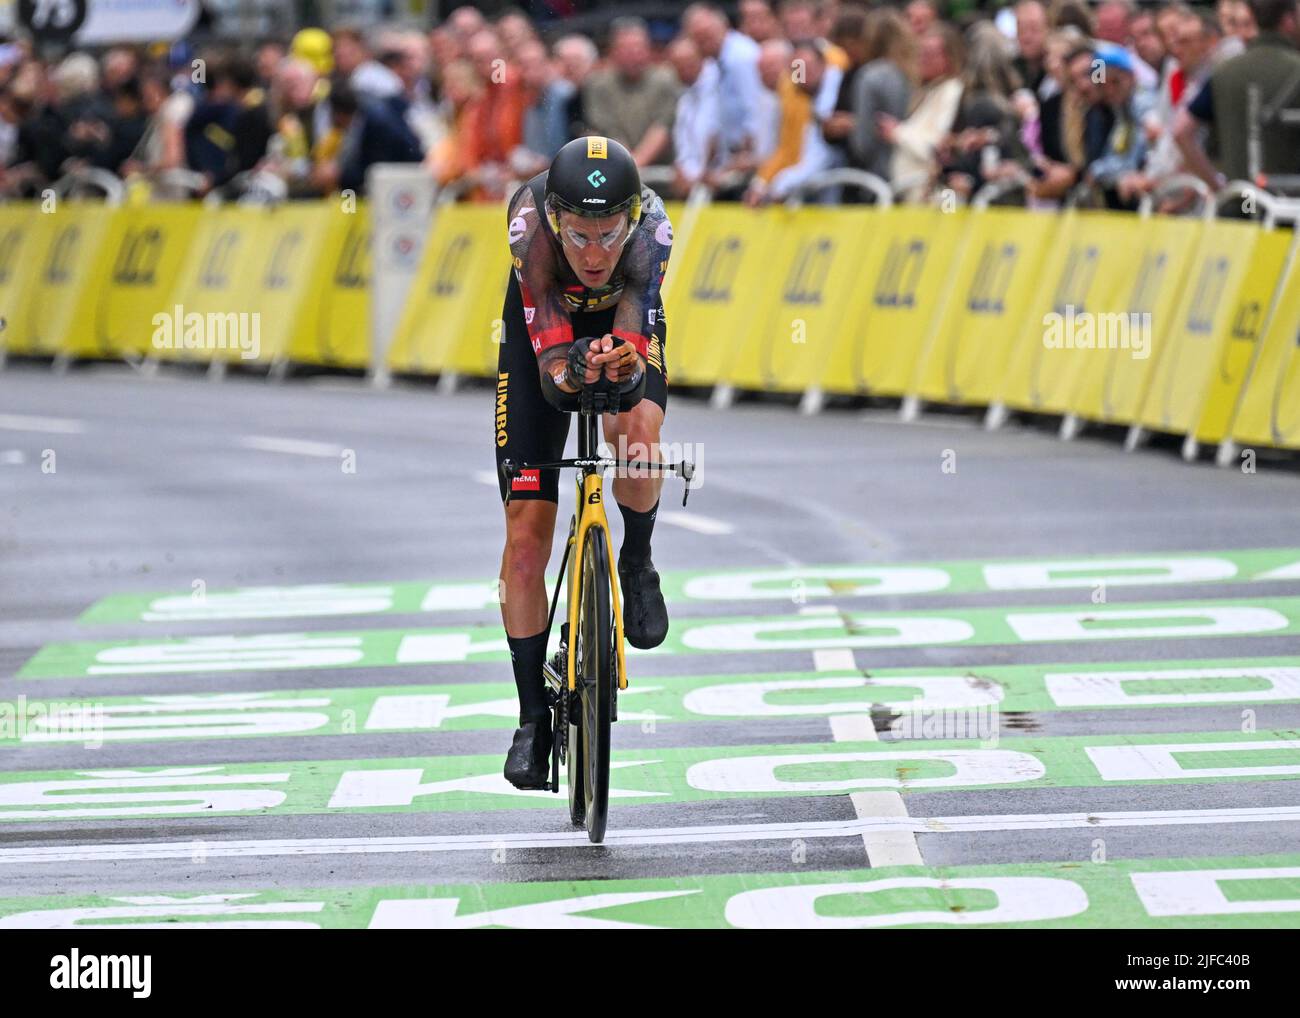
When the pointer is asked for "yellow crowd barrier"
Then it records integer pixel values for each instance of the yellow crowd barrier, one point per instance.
(1177, 325)
(1268, 411)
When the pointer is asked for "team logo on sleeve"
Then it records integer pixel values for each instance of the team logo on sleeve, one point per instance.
(517, 229)
(529, 314)
(664, 233)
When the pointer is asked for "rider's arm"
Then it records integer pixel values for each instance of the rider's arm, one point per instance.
(638, 309)
(550, 330)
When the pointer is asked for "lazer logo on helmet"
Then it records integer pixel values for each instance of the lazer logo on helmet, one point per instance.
(594, 201)
(595, 178)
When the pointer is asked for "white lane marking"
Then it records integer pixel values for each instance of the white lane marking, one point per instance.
(12, 458)
(864, 826)
(24, 422)
(294, 446)
(487, 477)
(888, 847)
(694, 521)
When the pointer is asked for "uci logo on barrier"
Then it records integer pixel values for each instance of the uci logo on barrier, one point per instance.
(9, 244)
(1208, 293)
(1151, 274)
(717, 270)
(1247, 320)
(899, 276)
(58, 270)
(451, 267)
(988, 289)
(352, 272)
(215, 271)
(278, 267)
(1076, 279)
(808, 274)
(137, 258)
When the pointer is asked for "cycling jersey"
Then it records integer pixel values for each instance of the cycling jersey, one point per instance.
(552, 291)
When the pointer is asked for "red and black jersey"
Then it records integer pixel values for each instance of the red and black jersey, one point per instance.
(551, 289)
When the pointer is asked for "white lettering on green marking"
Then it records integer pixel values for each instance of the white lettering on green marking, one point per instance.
(750, 699)
(783, 634)
(1108, 689)
(969, 767)
(1146, 762)
(1019, 899)
(1199, 892)
(1108, 624)
(832, 581)
(1111, 572)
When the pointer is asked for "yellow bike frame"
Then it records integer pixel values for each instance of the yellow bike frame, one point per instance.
(590, 514)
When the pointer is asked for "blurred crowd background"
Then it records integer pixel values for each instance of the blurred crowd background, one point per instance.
(1042, 101)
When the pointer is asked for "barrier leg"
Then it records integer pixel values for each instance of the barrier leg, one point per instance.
(723, 397)
(1227, 453)
(1136, 436)
(995, 416)
(448, 382)
(217, 371)
(1071, 425)
(812, 402)
(910, 409)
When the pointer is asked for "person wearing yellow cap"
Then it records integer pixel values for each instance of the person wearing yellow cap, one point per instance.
(316, 47)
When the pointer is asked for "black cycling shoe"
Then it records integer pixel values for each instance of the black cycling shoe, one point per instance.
(528, 764)
(645, 617)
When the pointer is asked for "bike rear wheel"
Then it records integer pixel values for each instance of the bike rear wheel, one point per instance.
(589, 746)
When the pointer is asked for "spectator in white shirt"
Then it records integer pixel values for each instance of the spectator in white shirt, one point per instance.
(696, 127)
(737, 57)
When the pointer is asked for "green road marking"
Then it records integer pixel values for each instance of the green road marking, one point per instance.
(480, 705)
(1231, 892)
(386, 647)
(797, 586)
(475, 783)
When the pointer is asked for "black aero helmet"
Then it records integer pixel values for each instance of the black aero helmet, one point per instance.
(593, 176)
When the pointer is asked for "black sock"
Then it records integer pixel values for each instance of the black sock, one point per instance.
(526, 655)
(637, 528)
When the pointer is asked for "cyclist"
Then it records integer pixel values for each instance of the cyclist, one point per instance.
(590, 247)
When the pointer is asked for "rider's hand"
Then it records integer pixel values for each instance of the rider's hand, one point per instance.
(618, 362)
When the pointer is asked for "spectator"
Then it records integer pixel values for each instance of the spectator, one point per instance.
(758, 21)
(1115, 26)
(632, 101)
(515, 30)
(370, 132)
(883, 85)
(119, 66)
(1031, 40)
(1072, 14)
(984, 135)
(267, 59)
(799, 19)
(1269, 64)
(849, 34)
(547, 95)
(1194, 45)
(697, 130)
(453, 158)
(916, 138)
(354, 63)
(1075, 124)
(496, 116)
(922, 15)
(736, 56)
(297, 126)
(1237, 24)
(1117, 170)
(807, 103)
(576, 56)
(215, 132)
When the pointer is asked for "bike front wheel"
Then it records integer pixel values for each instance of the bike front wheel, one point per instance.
(593, 667)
